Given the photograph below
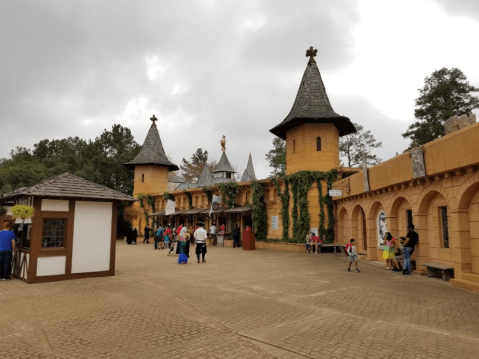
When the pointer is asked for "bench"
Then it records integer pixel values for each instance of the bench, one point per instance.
(439, 270)
(335, 246)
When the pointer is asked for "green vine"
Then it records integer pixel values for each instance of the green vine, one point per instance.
(209, 193)
(167, 196)
(284, 207)
(3, 210)
(301, 182)
(229, 191)
(151, 202)
(140, 197)
(259, 216)
(190, 198)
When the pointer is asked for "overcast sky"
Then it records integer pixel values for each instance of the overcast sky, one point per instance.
(208, 68)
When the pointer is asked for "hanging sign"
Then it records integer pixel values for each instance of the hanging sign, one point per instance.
(274, 222)
(335, 192)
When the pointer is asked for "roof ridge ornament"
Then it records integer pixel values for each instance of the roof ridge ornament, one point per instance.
(311, 53)
(223, 143)
(153, 119)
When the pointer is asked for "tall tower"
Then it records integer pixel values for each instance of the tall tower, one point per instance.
(312, 128)
(151, 165)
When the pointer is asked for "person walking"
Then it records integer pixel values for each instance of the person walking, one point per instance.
(7, 247)
(200, 238)
(388, 249)
(236, 235)
(147, 234)
(183, 245)
(410, 243)
(168, 232)
(134, 235)
(159, 237)
(353, 255)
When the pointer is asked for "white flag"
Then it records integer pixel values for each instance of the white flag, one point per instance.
(215, 203)
(170, 207)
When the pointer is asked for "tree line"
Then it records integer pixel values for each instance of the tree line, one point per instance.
(99, 161)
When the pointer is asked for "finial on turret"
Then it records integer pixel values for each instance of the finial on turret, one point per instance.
(223, 143)
(311, 53)
(153, 119)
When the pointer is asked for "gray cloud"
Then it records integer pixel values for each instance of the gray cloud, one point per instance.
(467, 8)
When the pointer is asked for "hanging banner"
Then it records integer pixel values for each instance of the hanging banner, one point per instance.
(215, 203)
(170, 207)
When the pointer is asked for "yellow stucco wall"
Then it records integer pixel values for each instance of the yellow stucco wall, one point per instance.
(155, 179)
(301, 151)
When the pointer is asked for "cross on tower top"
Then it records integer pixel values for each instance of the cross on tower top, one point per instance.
(311, 53)
(153, 119)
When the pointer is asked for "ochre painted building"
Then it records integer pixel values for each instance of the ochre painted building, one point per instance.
(435, 187)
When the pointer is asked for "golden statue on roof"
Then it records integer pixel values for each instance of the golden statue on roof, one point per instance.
(223, 143)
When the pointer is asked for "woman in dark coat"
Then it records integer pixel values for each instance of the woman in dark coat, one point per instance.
(129, 234)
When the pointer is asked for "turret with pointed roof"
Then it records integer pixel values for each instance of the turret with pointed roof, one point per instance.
(152, 152)
(151, 165)
(223, 168)
(248, 174)
(312, 104)
(312, 128)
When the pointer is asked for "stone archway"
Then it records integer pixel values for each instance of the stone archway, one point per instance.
(343, 226)
(358, 227)
(400, 215)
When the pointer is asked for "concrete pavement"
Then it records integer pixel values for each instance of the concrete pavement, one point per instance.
(239, 304)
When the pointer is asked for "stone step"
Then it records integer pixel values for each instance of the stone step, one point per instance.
(466, 284)
(470, 276)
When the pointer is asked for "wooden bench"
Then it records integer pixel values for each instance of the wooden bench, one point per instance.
(439, 270)
(335, 246)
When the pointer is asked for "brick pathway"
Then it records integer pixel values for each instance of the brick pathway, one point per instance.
(259, 304)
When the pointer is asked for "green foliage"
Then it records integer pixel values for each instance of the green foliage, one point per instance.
(167, 196)
(99, 161)
(151, 202)
(277, 157)
(352, 147)
(140, 197)
(301, 182)
(284, 207)
(23, 212)
(446, 93)
(190, 199)
(209, 193)
(229, 191)
(191, 170)
(3, 210)
(259, 216)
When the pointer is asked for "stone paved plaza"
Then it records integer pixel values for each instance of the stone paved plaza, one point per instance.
(258, 304)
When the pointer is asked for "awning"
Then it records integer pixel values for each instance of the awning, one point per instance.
(238, 209)
(178, 212)
(159, 213)
(194, 211)
(219, 210)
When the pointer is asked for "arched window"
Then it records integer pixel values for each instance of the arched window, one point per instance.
(318, 143)
(294, 146)
(142, 178)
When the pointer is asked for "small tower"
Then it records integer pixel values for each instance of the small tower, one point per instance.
(223, 168)
(151, 165)
(248, 174)
(312, 129)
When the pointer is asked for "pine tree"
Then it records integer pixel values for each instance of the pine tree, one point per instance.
(277, 157)
(352, 147)
(191, 170)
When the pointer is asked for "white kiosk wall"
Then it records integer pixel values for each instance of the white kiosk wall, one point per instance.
(92, 237)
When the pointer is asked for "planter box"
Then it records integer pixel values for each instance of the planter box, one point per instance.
(249, 241)
(282, 246)
(228, 243)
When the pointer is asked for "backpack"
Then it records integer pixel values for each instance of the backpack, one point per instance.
(346, 249)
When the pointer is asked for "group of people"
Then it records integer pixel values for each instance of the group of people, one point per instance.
(397, 256)
(313, 243)
(166, 238)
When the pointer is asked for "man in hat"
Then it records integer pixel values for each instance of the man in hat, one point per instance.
(200, 239)
(410, 243)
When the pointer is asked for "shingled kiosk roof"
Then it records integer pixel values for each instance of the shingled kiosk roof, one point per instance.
(68, 185)
(152, 152)
(248, 174)
(224, 165)
(312, 104)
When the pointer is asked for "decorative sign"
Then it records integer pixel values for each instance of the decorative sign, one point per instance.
(170, 207)
(382, 227)
(335, 192)
(417, 161)
(314, 230)
(215, 203)
(274, 222)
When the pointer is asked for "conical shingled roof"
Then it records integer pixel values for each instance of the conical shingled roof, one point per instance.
(312, 106)
(206, 177)
(224, 165)
(248, 174)
(152, 152)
